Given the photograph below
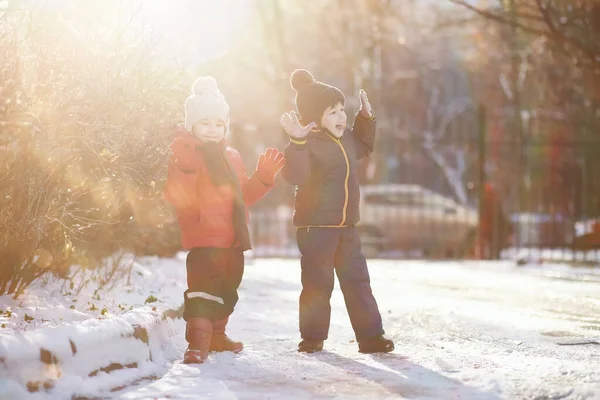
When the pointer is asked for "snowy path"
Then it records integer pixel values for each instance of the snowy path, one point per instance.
(461, 332)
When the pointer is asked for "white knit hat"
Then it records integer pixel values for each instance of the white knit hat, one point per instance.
(205, 102)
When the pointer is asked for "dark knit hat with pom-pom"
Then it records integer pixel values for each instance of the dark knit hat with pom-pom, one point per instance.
(313, 97)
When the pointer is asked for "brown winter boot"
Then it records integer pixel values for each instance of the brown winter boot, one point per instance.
(220, 341)
(198, 333)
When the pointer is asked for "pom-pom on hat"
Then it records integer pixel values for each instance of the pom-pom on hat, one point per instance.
(313, 97)
(206, 101)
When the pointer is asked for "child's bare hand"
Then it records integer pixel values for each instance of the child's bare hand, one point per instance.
(269, 164)
(365, 111)
(289, 122)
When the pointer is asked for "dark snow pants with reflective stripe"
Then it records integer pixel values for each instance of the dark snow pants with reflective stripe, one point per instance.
(213, 278)
(323, 251)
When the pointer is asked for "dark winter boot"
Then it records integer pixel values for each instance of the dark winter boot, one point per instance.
(198, 334)
(220, 341)
(376, 344)
(310, 346)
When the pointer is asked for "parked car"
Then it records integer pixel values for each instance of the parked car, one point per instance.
(411, 217)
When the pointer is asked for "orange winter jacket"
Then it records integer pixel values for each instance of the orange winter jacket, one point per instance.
(204, 211)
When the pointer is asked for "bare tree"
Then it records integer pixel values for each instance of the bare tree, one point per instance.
(572, 26)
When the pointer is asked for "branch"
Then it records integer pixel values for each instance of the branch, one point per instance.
(551, 31)
(498, 18)
(452, 175)
(452, 111)
(561, 35)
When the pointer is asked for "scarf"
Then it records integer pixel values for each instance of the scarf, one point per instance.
(222, 173)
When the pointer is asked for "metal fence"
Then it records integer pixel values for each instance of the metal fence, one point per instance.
(471, 193)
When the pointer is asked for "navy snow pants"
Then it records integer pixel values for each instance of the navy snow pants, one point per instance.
(323, 251)
(213, 278)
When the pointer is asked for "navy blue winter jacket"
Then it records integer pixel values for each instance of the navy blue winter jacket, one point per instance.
(324, 170)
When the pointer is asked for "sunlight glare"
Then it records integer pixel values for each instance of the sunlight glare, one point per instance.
(195, 31)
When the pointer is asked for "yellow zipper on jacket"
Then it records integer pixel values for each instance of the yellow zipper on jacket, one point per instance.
(345, 209)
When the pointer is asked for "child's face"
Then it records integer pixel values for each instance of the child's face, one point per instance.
(209, 130)
(334, 120)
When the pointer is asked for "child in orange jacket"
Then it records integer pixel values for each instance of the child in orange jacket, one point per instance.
(210, 190)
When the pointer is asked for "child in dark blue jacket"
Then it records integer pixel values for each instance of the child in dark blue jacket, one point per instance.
(322, 158)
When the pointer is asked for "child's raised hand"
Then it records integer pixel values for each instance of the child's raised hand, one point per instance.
(269, 164)
(289, 122)
(365, 111)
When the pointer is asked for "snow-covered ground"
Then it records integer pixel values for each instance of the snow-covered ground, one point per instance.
(463, 330)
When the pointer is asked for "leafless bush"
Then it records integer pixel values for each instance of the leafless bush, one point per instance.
(85, 124)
